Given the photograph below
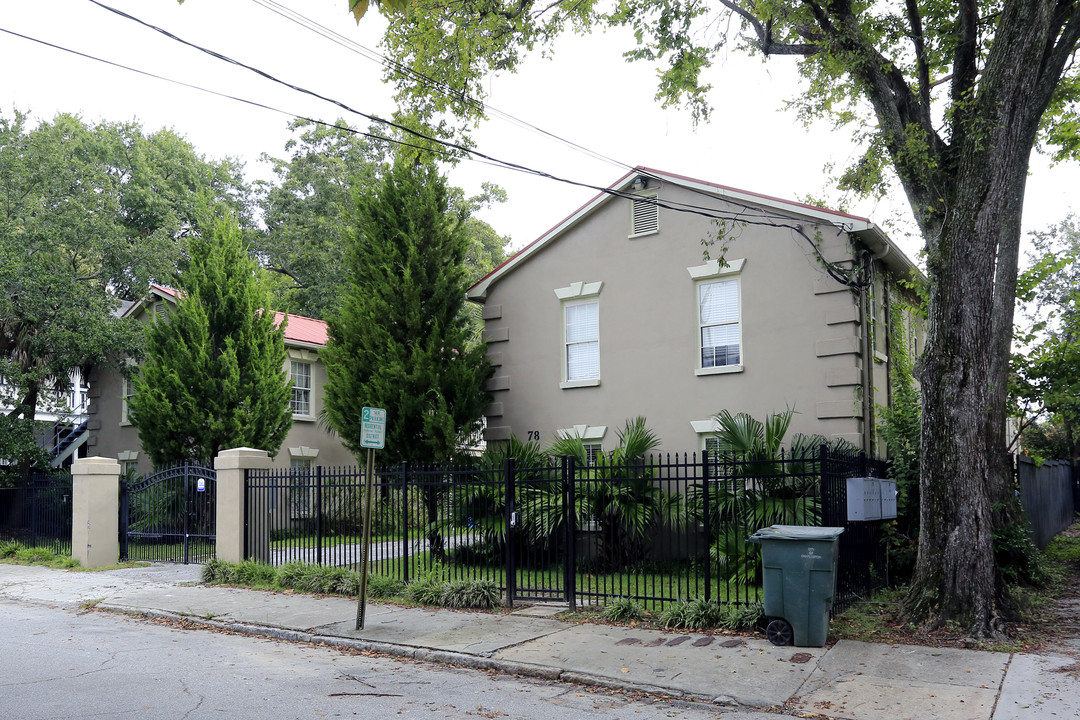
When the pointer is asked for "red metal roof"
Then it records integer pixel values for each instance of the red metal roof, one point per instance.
(299, 329)
(303, 329)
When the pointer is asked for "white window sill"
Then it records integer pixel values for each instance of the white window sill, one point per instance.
(304, 418)
(579, 383)
(125, 423)
(722, 370)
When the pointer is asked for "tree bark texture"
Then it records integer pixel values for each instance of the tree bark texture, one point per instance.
(973, 266)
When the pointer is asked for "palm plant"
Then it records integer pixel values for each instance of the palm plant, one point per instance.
(754, 483)
(618, 493)
(480, 503)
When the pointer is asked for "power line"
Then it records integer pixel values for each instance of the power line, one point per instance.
(440, 87)
(838, 273)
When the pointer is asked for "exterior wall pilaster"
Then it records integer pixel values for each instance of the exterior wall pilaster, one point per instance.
(95, 511)
(233, 543)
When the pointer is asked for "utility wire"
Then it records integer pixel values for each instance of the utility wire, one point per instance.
(838, 273)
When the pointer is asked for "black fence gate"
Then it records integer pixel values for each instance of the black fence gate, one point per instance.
(169, 515)
(656, 530)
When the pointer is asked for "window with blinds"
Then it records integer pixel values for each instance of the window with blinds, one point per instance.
(718, 312)
(582, 341)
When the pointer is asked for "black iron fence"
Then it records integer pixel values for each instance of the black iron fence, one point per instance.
(169, 515)
(38, 513)
(657, 530)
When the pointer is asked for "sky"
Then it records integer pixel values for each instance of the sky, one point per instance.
(586, 94)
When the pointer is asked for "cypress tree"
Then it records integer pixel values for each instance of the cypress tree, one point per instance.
(214, 376)
(400, 340)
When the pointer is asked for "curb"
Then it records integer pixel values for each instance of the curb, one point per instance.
(439, 657)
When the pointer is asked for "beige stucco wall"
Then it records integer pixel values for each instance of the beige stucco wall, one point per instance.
(800, 331)
(109, 437)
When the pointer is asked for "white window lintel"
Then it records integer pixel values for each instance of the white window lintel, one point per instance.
(579, 290)
(303, 452)
(585, 432)
(712, 269)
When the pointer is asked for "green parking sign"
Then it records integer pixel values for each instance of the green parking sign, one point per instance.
(373, 428)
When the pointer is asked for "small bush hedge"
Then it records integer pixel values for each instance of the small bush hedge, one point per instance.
(425, 590)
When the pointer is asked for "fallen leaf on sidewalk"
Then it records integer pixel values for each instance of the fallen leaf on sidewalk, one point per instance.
(801, 658)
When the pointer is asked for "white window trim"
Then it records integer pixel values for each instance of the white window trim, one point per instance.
(709, 272)
(579, 293)
(705, 429)
(712, 269)
(303, 452)
(585, 432)
(579, 290)
(303, 417)
(126, 385)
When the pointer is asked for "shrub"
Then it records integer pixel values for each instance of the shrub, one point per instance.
(380, 586)
(623, 610)
(482, 594)
(426, 590)
(290, 575)
(9, 548)
(213, 570)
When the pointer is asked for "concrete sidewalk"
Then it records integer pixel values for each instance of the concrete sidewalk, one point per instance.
(862, 681)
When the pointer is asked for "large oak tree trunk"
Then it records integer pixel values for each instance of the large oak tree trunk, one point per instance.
(973, 266)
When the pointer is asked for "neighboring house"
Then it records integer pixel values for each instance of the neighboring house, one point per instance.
(616, 312)
(61, 418)
(307, 443)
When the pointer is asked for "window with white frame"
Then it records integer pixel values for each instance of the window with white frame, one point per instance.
(127, 391)
(582, 341)
(707, 440)
(581, 333)
(300, 377)
(719, 316)
(593, 451)
(592, 437)
(718, 319)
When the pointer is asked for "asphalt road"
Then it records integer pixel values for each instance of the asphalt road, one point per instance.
(62, 663)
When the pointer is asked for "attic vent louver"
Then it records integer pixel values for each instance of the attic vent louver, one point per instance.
(645, 216)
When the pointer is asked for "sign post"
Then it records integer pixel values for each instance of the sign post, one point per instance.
(373, 437)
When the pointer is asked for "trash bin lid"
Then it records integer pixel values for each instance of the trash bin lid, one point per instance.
(796, 532)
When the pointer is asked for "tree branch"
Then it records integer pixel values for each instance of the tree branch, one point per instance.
(922, 69)
(764, 34)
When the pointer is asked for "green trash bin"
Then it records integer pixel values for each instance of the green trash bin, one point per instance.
(799, 579)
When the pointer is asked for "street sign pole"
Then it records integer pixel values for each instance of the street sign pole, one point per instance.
(365, 547)
(373, 437)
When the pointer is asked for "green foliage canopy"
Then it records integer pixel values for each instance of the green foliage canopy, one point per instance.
(400, 340)
(89, 214)
(214, 372)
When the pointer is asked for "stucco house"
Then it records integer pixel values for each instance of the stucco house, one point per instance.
(675, 298)
(306, 445)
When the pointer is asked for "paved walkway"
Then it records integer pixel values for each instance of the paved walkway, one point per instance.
(861, 681)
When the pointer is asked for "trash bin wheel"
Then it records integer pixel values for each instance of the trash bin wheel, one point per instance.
(779, 632)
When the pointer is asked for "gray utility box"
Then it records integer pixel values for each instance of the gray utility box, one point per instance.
(870, 498)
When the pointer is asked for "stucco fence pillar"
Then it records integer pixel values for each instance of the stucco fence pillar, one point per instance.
(234, 541)
(95, 511)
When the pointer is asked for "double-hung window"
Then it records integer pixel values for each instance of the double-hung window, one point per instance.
(127, 392)
(581, 333)
(718, 317)
(300, 376)
(582, 341)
